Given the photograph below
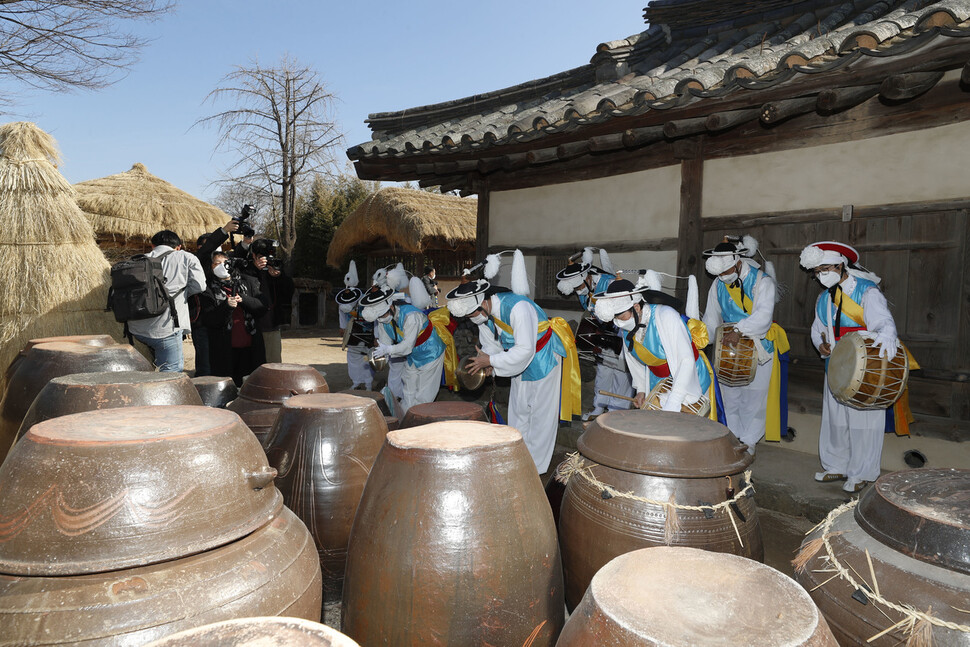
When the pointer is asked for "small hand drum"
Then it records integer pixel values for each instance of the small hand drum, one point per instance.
(701, 407)
(735, 366)
(860, 379)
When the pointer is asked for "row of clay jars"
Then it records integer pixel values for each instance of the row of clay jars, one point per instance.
(144, 521)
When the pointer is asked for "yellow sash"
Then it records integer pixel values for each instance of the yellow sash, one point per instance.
(778, 336)
(570, 392)
(901, 411)
(698, 329)
(440, 319)
(644, 355)
(698, 333)
(736, 293)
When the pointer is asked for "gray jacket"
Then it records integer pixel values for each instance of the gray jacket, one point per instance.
(181, 270)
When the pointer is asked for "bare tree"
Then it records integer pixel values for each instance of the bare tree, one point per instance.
(58, 44)
(281, 130)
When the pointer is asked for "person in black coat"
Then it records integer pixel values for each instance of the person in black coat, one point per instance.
(205, 246)
(231, 305)
(278, 289)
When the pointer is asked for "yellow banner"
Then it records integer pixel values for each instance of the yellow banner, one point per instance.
(571, 393)
(440, 319)
(778, 336)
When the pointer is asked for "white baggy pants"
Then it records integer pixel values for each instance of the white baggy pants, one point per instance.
(850, 440)
(359, 369)
(612, 380)
(421, 384)
(746, 407)
(534, 411)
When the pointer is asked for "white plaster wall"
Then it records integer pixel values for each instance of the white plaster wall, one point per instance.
(635, 206)
(906, 167)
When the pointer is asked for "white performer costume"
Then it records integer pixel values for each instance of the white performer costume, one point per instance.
(611, 372)
(359, 370)
(850, 440)
(745, 407)
(394, 277)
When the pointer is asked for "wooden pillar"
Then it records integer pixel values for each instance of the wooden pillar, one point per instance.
(690, 234)
(481, 225)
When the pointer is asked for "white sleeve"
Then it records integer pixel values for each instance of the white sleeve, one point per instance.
(412, 328)
(525, 325)
(680, 358)
(818, 328)
(486, 339)
(638, 372)
(712, 312)
(757, 323)
(381, 334)
(878, 317)
(343, 319)
(195, 282)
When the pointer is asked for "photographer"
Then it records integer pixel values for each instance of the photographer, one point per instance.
(205, 246)
(230, 307)
(277, 288)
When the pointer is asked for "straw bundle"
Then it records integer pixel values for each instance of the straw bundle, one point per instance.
(413, 221)
(136, 205)
(54, 277)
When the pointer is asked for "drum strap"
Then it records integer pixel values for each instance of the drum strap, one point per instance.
(736, 290)
(844, 303)
(424, 335)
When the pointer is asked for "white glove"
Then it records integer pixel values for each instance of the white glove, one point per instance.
(887, 344)
(380, 351)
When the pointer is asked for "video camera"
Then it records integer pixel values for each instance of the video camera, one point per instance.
(267, 247)
(235, 264)
(245, 230)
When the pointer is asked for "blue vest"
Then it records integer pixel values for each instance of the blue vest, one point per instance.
(824, 306)
(731, 312)
(430, 350)
(601, 285)
(651, 341)
(545, 359)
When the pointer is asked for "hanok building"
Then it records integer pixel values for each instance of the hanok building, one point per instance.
(791, 121)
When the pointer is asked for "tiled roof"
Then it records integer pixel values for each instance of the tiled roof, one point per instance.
(692, 50)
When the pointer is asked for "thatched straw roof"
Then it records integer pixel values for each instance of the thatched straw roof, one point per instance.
(410, 220)
(137, 204)
(54, 277)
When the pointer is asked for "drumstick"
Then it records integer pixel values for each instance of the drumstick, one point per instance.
(617, 395)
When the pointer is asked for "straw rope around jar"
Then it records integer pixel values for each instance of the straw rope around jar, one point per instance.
(916, 624)
(575, 465)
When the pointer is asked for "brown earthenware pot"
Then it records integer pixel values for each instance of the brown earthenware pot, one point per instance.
(323, 446)
(453, 543)
(423, 414)
(662, 457)
(685, 597)
(392, 423)
(90, 391)
(272, 571)
(48, 360)
(258, 632)
(215, 391)
(97, 341)
(914, 526)
(268, 387)
(376, 396)
(110, 489)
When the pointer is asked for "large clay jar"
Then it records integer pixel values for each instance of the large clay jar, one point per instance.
(215, 391)
(267, 388)
(90, 391)
(117, 488)
(272, 571)
(685, 597)
(914, 528)
(323, 446)
(423, 414)
(48, 360)
(97, 341)
(258, 632)
(633, 468)
(376, 396)
(453, 543)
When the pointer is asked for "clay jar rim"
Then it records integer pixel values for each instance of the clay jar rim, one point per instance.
(117, 378)
(610, 593)
(899, 512)
(330, 402)
(243, 631)
(440, 441)
(667, 444)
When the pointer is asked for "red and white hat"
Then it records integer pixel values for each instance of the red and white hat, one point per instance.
(828, 252)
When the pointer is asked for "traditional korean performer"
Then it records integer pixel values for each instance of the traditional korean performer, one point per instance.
(584, 279)
(359, 370)
(658, 343)
(744, 295)
(394, 277)
(850, 440)
(403, 330)
(519, 341)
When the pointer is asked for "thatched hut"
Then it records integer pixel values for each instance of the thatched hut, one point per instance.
(54, 277)
(415, 227)
(127, 209)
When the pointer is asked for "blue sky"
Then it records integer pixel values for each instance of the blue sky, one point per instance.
(374, 56)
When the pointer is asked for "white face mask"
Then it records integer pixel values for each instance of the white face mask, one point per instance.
(479, 319)
(384, 318)
(583, 291)
(220, 271)
(829, 278)
(625, 324)
(729, 278)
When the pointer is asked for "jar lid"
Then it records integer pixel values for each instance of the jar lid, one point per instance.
(662, 443)
(276, 382)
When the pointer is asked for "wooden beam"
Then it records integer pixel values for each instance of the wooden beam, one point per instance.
(617, 246)
(907, 86)
(573, 150)
(775, 111)
(838, 99)
(689, 232)
(490, 164)
(541, 156)
(637, 137)
(481, 222)
(724, 120)
(685, 127)
(601, 143)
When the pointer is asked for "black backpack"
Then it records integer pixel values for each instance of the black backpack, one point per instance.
(138, 290)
